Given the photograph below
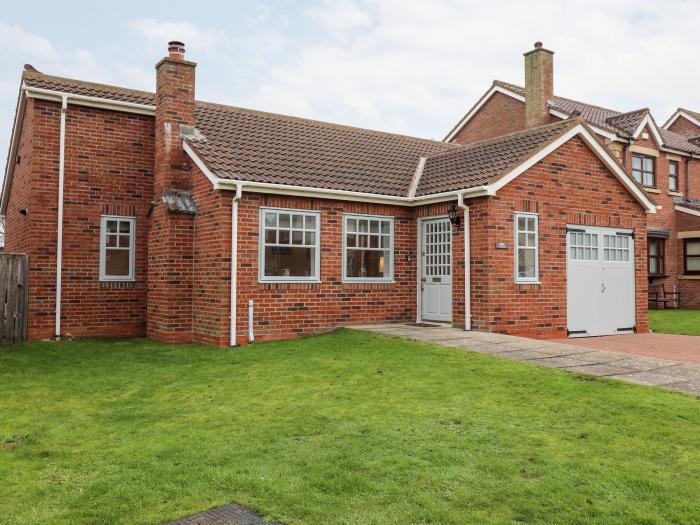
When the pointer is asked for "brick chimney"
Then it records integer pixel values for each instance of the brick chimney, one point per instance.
(171, 234)
(539, 85)
(174, 114)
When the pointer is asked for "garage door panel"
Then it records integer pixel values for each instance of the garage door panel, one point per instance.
(600, 281)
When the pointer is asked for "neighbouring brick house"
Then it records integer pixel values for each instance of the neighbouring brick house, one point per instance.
(154, 213)
(664, 160)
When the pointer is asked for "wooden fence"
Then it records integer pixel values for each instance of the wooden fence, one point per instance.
(14, 292)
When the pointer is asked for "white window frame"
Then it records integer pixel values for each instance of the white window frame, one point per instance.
(516, 248)
(389, 277)
(261, 248)
(103, 247)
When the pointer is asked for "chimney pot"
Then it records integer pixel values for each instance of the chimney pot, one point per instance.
(176, 50)
(538, 44)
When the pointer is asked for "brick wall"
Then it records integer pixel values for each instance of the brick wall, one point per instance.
(500, 115)
(684, 127)
(569, 186)
(689, 286)
(108, 170)
(294, 309)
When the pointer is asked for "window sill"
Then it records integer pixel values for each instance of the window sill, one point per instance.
(368, 281)
(289, 281)
(689, 277)
(675, 193)
(651, 190)
(520, 283)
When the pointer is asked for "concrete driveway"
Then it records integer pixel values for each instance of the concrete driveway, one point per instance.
(573, 356)
(680, 348)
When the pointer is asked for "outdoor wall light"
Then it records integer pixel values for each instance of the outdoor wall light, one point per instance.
(454, 218)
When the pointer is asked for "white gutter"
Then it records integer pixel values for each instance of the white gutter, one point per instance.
(323, 193)
(234, 262)
(85, 100)
(467, 265)
(59, 230)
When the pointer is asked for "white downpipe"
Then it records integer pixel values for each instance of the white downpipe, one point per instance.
(59, 229)
(234, 261)
(467, 266)
(251, 335)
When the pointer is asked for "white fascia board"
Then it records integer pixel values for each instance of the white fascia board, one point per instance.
(84, 100)
(647, 121)
(689, 211)
(600, 152)
(12, 153)
(475, 109)
(679, 114)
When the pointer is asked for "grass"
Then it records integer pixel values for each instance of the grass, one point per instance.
(344, 428)
(685, 322)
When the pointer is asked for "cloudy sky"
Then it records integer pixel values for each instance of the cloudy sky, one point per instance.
(398, 65)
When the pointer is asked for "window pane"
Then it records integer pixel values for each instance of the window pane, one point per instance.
(297, 237)
(351, 240)
(111, 241)
(374, 241)
(693, 264)
(298, 221)
(636, 162)
(526, 263)
(284, 235)
(652, 265)
(310, 222)
(352, 225)
(672, 168)
(637, 176)
(648, 164)
(521, 223)
(270, 219)
(385, 241)
(112, 226)
(124, 227)
(367, 263)
(692, 248)
(374, 227)
(287, 261)
(364, 227)
(271, 236)
(653, 247)
(310, 238)
(123, 241)
(284, 220)
(386, 227)
(117, 263)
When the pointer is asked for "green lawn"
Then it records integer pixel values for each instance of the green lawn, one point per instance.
(344, 428)
(686, 322)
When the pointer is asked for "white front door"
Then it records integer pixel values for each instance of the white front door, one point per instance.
(600, 281)
(436, 270)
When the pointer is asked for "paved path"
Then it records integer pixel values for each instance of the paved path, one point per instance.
(670, 374)
(683, 348)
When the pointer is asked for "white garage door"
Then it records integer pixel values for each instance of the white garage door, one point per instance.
(600, 281)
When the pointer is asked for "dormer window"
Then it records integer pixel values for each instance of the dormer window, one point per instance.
(643, 170)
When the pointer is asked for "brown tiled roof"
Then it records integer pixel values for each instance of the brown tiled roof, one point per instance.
(481, 162)
(602, 117)
(595, 115)
(254, 146)
(90, 89)
(693, 114)
(628, 122)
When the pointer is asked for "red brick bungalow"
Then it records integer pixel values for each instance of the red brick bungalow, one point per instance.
(183, 220)
(665, 161)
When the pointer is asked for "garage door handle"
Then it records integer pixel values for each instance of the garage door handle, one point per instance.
(602, 290)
